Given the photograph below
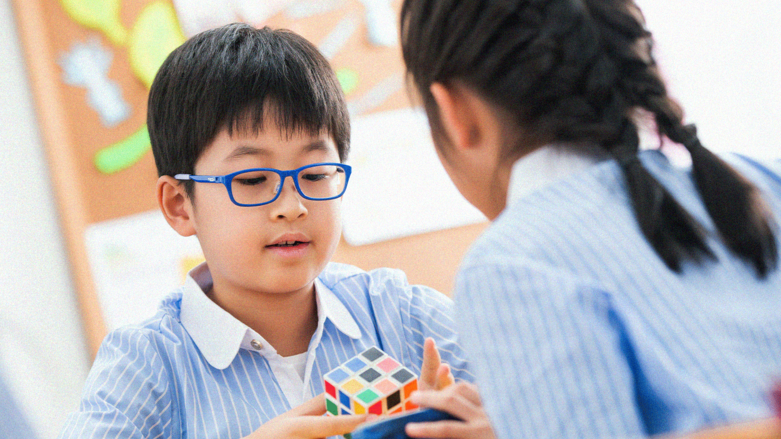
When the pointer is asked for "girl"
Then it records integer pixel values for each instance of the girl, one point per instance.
(614, 295)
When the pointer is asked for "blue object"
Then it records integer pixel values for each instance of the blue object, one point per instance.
(13, 423)
(227, 181)
(393, 427)
(338, 375)
(344, 399)
(355, 364)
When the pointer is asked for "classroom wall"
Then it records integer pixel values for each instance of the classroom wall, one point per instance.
(721, 58)
(42, 351)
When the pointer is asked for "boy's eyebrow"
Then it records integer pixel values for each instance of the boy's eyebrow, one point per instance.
(317, 145)
(247, 150)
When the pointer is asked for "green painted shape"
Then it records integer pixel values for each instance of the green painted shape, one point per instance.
(123, 154)
(102, 15)
(348, 79)
(367, 396)
(153, 37)
(331, 407)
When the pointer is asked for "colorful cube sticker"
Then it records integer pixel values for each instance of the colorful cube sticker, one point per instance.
(370, 382)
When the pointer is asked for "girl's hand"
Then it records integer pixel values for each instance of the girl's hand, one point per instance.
(461, 400)
(434, 375)
(306, 422)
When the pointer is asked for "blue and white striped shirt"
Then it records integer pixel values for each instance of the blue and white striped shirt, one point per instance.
(194, 371)
(577, 329)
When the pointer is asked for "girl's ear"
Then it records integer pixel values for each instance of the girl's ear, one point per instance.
(175, 205)
(467, 119)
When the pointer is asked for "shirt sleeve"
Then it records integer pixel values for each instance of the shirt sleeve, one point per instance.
(126, 394)
(549, 353)
(425, 313)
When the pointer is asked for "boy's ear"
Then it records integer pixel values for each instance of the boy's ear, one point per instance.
(466, 118)
(175, 205)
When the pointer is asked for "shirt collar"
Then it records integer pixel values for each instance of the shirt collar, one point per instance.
(219, 335)
(329, 306)
(549, 163)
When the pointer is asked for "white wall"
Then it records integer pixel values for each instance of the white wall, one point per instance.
(42, 353)
(723, 59)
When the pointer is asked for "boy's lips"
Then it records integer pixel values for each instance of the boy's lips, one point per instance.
(290, 245)
(289, 239)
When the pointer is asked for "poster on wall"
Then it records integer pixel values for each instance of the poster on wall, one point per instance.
(91, 65)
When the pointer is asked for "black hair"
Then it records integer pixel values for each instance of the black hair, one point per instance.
(583, 71)
(227, 78)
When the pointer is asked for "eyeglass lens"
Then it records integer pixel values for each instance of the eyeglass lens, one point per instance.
(318, 182)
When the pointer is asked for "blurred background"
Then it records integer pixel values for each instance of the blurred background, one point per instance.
(721, 60)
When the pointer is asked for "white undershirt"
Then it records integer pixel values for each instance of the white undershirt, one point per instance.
(297, 362)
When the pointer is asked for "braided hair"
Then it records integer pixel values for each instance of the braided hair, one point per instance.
(583, 70)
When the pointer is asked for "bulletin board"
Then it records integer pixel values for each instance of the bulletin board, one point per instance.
(90, 65)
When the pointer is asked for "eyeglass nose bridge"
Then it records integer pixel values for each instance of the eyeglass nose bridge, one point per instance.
(281, 183)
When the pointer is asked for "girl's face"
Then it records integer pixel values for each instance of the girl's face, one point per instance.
(479, 182)
(471, 146)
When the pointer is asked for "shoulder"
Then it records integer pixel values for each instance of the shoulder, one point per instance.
(559, 220)
(345, 277)
(150, 338)
(387, 285)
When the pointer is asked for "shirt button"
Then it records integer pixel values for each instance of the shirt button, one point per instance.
(256, 344)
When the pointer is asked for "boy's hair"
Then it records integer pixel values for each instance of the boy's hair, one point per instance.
(230, 78)
(578, 71)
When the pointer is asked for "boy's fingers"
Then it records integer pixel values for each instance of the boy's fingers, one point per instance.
(324, 426)
(431, 362)
(313, 407)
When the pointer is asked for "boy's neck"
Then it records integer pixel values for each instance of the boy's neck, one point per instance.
(287, 321)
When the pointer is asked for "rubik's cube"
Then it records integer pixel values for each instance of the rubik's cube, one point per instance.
(370, 382)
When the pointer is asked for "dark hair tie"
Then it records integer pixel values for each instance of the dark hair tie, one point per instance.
(627, 159)
(692, 142)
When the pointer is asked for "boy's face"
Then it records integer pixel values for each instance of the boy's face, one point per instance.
(241, 244)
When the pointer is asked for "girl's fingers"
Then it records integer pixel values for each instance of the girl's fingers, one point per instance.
(437, 430)
(444, 377)
(431, 362)
(470, 392)
(447, 401)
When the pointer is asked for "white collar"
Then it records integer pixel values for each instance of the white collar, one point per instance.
(549, 163)
(219, 335)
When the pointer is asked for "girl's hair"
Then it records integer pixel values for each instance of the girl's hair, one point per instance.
(582, 70)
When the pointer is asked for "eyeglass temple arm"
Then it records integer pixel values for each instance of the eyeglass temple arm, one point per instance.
(199, 178)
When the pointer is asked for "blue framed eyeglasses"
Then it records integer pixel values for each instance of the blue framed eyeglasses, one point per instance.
(259, 186)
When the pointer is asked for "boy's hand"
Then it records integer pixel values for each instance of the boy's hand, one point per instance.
(434, 375)
(461, 400)
(306, 422)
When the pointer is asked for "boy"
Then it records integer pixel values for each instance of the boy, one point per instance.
(248, 338)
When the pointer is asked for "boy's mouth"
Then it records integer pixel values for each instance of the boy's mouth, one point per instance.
(287, 244)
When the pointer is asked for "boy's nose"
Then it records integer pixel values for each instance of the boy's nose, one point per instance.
(289, 205)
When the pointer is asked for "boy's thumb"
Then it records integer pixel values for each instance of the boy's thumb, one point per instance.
(323, 426)
(313, 407)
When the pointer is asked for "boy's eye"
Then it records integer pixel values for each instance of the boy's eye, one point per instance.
(251, 181)
(313, 177)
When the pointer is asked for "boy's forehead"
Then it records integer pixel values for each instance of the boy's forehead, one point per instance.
(270, 141)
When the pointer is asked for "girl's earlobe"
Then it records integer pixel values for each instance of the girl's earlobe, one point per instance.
(454, 115)
(175, 205)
